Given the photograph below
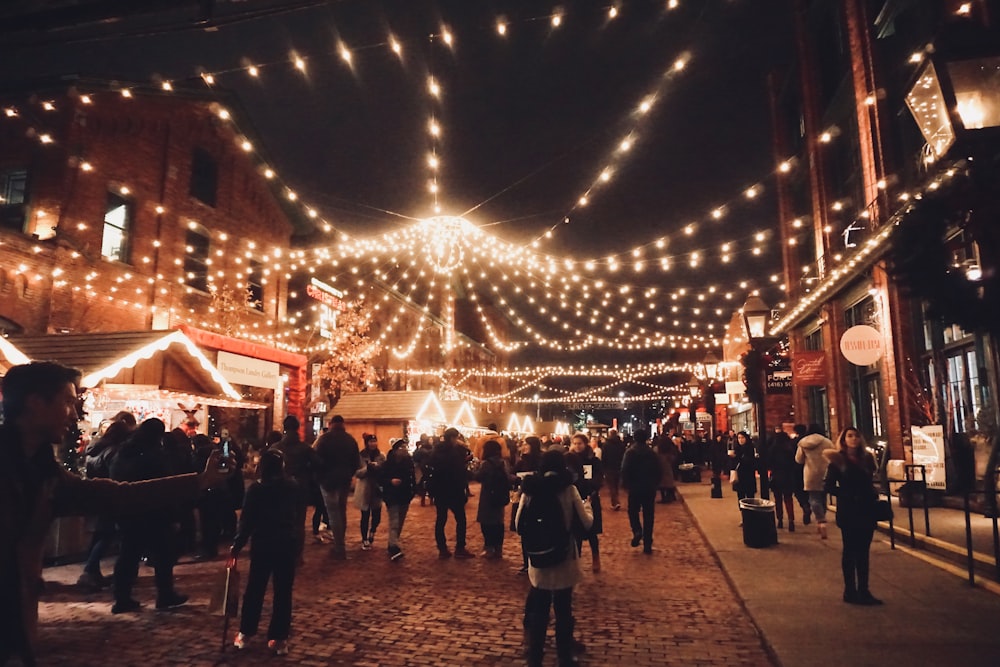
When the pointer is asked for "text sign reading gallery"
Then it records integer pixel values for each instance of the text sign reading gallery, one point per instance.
(809, 368)
(248, 371)
(862, 345)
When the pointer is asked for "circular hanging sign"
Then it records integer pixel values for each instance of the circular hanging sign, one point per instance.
(862, 345)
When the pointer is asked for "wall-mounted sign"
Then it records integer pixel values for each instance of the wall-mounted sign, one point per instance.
(928, 450)
(248, 371)
(324, 293)
(809, 368)
(779, 382)
(862, 345)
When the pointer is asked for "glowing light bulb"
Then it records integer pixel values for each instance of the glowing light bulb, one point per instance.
(645, 106)
(826, 138)
(86, 166)
(85, 99)
(167, 86)
(246, 146)
(583, 201)
(612, 12)
(625, 145)
(605, 175)
(300, 64)
(268, 173)
(433, 87)
(434, 129)
(224, 114)
(448, 38)
(785, 167)
(126, 93)
(208, 78)
(680, 64)
(396, 47)
(556, 20)
(253, 71)
(501, 28)
(751, 193)
(433, 162)
(345, 55)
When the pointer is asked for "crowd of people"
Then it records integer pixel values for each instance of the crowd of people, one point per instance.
(553, 486)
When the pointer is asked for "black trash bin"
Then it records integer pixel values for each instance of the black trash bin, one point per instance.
(759, 529)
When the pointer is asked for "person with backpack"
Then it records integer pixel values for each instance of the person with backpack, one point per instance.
(548, 507)
(641, 473)
(494, 496)
(588, 476)
(448, 484)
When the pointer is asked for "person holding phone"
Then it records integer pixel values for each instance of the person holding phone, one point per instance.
(588, 476)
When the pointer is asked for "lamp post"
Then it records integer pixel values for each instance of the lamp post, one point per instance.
(756, 313)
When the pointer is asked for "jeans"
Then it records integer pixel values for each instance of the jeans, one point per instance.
(817, 501)
(264, 564)
(857, 538)
(99, 544)
(370, 519)
(536, 622)
(786, 498)
(336, 511)
(645, 502)
(457, 507)
(613, 478)
(150, 537)
(397, 515)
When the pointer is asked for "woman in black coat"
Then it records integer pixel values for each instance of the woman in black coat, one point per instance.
(588, 477)
(745, 466)
(784, 472)
(849, 479)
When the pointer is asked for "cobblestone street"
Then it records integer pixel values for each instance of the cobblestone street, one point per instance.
(673, 607)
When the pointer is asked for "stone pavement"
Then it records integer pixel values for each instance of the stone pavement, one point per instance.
(793, 592)
(674, 607)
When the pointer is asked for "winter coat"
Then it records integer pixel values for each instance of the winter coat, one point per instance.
(567, 573)
(449, 473)
(494, 495)
(273, 518)
(810, 453)
(613, 452)
(398, 465)
(368, 490)
(641, 469)
(745, 465)
(35, 490)
(851, 483)
(785, 476)
(668, 457)
(300, 460)
(338, 458)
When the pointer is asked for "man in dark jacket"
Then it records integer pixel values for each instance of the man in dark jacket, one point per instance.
(641, 473)
(449, 479)
(612, 454)
(338, 458)
(40, 405)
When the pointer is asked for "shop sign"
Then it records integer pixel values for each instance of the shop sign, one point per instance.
(331, 296)
(862, 345)
(779, 382)
(703, 417)
(809, 368)
(239, 369)
(735, 387)
(928, 450)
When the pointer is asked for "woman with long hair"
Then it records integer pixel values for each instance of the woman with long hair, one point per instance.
(744, 466)
(368, 492)
(849, 479)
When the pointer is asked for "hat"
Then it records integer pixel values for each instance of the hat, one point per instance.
(452, 433)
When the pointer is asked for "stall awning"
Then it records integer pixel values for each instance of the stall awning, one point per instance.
(10, 355)
(390, 406)
(104, 356)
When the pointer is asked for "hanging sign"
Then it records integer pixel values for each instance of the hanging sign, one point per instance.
(779, 382)
(239, 369)
(862, 345)
(809, 368)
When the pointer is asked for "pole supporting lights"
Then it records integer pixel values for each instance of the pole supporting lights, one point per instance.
(756, 314)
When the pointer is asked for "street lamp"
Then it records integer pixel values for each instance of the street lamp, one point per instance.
(711, 366)
(756, 314)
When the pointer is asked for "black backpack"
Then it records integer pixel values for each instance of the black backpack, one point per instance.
(543, 530)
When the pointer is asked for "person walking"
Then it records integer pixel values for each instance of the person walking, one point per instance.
(399, 485)
(528, 461)
(783, 473)
(849, 479)
(448, 489)
(337, 459)
(588, 475)
(668, 450)
(641, 473)
(612, 454)
(552, 587)
(141, 457)
(368, 491)
(99, 453)
(421, 462)
(810, 454)
(494, 496)
(301, 464)
(273, 521)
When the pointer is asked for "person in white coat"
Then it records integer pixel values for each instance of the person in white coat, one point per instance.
(810, 454)
(553, 586)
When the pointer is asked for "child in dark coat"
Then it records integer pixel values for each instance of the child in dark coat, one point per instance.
(273, 520)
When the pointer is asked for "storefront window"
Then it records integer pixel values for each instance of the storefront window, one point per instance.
(817, 400)
(963, 389)
(865, 382)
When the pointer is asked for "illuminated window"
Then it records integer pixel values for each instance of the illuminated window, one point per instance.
(196, 247)
(204, 177)
(117, 228)
(13, 196)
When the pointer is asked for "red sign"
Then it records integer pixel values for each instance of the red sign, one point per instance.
(324, 297)
(809, 368)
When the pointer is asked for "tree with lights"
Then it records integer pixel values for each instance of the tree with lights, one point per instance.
(349, 355)
(229, 305)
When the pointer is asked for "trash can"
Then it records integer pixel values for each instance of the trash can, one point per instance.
(759, 529)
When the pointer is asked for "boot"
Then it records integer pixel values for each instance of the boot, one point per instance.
(781, 522)
(807, 516)
(821, 529)
(596, 562)
(791, 525)
(564, 642)
(534, 639)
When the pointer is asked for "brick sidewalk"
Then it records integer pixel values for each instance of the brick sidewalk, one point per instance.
(673, 607)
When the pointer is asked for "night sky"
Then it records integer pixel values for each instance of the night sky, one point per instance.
(528, 119)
